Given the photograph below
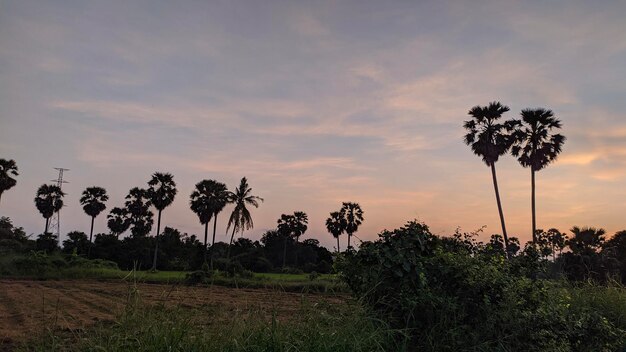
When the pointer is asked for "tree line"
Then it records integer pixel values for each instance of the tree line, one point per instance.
(207, 201)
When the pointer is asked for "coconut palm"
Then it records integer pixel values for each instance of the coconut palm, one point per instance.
(292, 226)
(161, 190)
(240, 219)
(118, 221)
(491, 139)
(353, 215)
(8, 170)
(49, 200)
(336, 225)
(138, 210)
(92, 200)
(536, 147)
(207, 200)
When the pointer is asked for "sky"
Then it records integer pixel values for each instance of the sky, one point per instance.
(316, 103)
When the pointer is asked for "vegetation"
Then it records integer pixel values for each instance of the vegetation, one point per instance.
(8, 172)
(490, 140)
(93, 200)
(48, 201)
(161, 192)
(453, 294)
(240, 218)
(413, 290)
(536, 147)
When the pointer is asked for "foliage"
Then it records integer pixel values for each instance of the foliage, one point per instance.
(8, 172)
(452, 300)
(320, 327)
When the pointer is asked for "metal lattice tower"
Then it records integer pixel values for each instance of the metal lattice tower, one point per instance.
(55, 223)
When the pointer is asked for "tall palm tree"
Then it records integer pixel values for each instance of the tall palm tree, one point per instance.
(8, 170)
(240, 218)
(336, 225)
(118, 221)
(536, 147)
(49, 200)
(138, 209)
(207, 200)
(353, 215)
(92, 200)
(292, 226)
(161, 190)
(491, 139)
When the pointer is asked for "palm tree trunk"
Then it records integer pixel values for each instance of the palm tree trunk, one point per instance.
(502, 223)
(156, 239)
(206, 235)
(213, 241)
(285, 252)
(349, 236)
(231, 243)
(338, 250)
(532, 182)
(90, 236)
(46, 228)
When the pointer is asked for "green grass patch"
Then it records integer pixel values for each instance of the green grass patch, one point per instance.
(314, 327)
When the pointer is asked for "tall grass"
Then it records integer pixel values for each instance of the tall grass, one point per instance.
(141, 327)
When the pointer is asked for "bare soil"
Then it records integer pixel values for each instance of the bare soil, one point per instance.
(28, 308)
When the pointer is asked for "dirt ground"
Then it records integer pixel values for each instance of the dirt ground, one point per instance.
(30, 307)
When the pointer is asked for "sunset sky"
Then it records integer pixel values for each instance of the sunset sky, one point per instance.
(316, 103)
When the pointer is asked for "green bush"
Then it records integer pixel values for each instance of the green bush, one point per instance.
(447, 299)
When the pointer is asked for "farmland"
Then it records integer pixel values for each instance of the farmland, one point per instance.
(29, 308)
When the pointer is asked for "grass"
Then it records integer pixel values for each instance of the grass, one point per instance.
(140, 327)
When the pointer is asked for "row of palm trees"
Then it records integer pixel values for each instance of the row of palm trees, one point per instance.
(531, 140)
(207, 201)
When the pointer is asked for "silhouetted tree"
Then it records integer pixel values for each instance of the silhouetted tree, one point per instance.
(586, 240)
(138, 208)
(8, 171)
(490, 139)
(558, 241)
(208, 200)
(92, 200)
(161, 191)
(536, 147)
(336, 225)
(76, 241)
(292, 226)
(240, 218)
(48, 242)
(49, 200)
(353, 215)
(118, 221)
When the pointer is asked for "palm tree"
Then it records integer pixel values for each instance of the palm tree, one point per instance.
(8, 168)
(49, 200)
(208, 200)
(353, 216)
(240, 218)
(118, 221)
(292, 226)
(536, 147)
(336, 225)
(92, 200)
(586, 240)
(138, 209)
(161, 190)
(490, 139)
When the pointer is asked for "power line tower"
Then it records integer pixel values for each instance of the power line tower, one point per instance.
(55, 223)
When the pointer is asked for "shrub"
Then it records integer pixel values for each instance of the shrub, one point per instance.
(453, 300)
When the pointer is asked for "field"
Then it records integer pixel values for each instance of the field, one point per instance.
(29, 308)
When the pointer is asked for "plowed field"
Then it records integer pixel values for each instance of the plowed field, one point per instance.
(30, 307)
